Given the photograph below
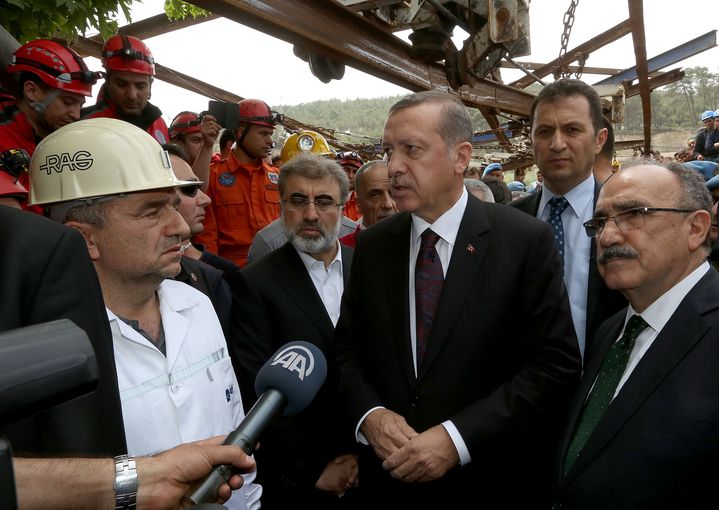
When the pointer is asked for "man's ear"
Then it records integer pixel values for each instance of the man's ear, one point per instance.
(32, 91)
(88, 234)
(463, 156)
(699, 229)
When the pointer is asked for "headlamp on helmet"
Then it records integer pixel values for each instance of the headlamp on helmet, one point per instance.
(15, 162)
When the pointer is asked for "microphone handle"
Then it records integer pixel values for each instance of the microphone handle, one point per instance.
(270, 405)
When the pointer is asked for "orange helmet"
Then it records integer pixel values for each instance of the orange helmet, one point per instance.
(13, 162)
(254, 111)
(56, 65)
(185, 123)
(127, 53)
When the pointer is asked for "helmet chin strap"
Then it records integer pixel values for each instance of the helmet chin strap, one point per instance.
(41, 106)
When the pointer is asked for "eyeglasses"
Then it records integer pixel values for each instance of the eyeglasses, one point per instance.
(628, 220)
(190, 189)
(323, 205)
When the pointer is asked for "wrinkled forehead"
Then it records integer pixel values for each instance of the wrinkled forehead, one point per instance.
(639, 186)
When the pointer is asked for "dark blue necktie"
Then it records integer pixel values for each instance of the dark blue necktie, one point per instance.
(558, 205)
(605, 385)
(428, 280)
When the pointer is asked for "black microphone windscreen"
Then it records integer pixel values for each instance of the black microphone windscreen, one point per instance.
(297, 370)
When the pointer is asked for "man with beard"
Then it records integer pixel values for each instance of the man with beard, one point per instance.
(174, 372)
(294, 292)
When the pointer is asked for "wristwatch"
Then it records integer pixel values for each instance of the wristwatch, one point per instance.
(125, 482)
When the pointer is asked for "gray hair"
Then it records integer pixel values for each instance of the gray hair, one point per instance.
(314, 167)
(482, 188)
(359, 185)
(693, 193)
(454, 124)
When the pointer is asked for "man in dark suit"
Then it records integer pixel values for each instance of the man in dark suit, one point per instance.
(567, 133)
(48, 276)
(294, 293)
(650, 439)
(467, 404)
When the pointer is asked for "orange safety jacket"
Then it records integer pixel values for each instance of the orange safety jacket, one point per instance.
(245, 199)
(351, 207)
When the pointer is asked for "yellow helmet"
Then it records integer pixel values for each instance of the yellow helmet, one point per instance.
(94, 158)
(305, 141)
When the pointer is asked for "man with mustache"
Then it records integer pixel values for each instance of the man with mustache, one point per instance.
(374, 201)
(457, 399)
(294, 292)
(643, 426)
(174, 372)
(567, 134)
(130, 70)
(243, 187)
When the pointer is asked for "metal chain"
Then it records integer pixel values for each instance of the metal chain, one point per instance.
(561, 71)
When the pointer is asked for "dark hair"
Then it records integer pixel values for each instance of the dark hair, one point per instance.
(177, 150)
(454, 125)
(500, 190)
(568, 88)
(313, 167)
(18, 80)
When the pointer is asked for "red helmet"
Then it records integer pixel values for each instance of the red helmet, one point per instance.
(254, 111)
(185, 123)
(127, 53)
(349, 158)
(56, 65)
(13, 162)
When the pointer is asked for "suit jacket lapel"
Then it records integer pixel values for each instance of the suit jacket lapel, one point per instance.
(686, 327)
(396, 274)
(470, 247)
(292, 275)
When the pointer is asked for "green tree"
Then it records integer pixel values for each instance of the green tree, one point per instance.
(32, 19)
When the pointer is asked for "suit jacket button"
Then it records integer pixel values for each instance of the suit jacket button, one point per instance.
(415, 401)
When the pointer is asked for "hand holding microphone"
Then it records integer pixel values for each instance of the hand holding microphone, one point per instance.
(286, 384)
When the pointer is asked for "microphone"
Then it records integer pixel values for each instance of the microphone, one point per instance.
(286, 385)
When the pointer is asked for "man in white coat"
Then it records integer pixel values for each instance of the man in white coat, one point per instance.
(113, 183)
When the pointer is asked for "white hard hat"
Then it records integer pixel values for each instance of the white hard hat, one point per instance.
(96, 158)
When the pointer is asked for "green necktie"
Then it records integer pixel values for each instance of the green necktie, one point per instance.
(605, 385)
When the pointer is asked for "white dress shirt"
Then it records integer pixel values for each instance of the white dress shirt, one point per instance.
(328, 281)
(577, 249)
(657, 315)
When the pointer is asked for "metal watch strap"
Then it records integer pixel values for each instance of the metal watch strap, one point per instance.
(125, 482)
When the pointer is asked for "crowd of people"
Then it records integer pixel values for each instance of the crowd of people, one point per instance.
(489, 342)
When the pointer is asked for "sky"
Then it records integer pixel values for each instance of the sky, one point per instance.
(252, 64)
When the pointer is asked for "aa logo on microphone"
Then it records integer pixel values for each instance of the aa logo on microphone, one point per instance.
(296, 358)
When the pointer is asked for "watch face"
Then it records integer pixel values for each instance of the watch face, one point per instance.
(305, 143)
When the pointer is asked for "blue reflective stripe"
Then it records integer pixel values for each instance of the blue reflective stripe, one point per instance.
(174, 377)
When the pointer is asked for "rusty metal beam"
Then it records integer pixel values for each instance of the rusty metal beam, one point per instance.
(611, 35)
(157, 25)
(331, 30)
(636, 15)
(532, 66)
(88, 47)
(657, 81)
(491, 117)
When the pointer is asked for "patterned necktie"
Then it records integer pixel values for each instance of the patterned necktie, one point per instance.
(558, 205)
(428, 280)
(605, 386)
